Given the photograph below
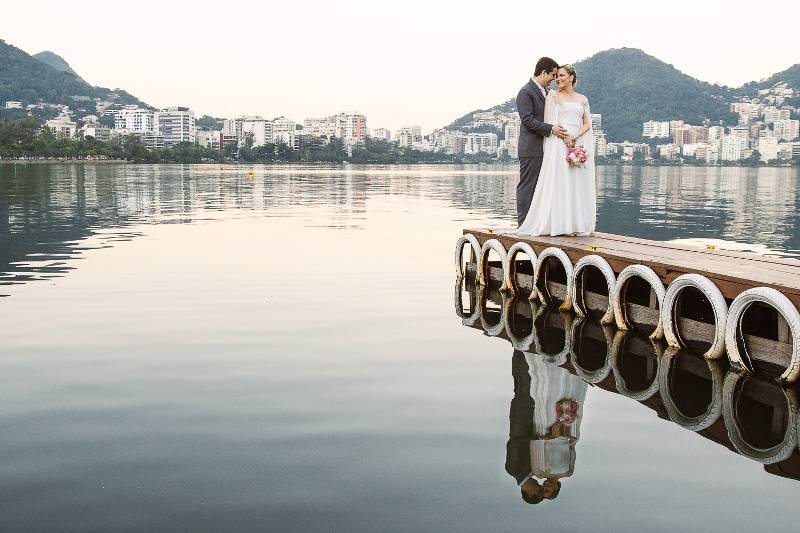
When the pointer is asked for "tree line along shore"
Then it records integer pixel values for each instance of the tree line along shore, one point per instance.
(26, 140)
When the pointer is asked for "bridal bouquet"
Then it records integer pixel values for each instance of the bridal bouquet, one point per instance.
(576, 156)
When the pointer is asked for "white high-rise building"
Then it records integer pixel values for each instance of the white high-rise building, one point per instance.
(283, 125)
(209, 139)
(669, 151)
(176, 125)
(740, 132)
(260, 129)
(787, 130)
(511, 132)
(768, 148)
(381, 134)
(715, 133)
(747, 111)
(597, 121)
(285, 131)
(449, 141)
(773, 114)
(229, 127)
(481, 143)
(134, 119)
(320, 127)
(655, 130)
(600, 144)
(350, 127)
(96, 131)
(11, 104)
(732, 148)
(690, 150)
(63, 126)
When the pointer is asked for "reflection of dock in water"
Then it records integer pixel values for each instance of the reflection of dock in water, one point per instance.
(752, 416)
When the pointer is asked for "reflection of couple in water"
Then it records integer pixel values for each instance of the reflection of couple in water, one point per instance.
(545, 419)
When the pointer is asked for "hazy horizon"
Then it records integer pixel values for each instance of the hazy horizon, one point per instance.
(421, 64)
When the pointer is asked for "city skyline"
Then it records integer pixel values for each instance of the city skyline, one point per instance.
(399, 67)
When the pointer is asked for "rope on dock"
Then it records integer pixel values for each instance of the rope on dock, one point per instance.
(647, 274)
(669, 310)
(741, 360)
(576, 285)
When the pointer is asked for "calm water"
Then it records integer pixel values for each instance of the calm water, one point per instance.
(219, 348)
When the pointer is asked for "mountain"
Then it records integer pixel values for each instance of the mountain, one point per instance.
(31, 80)
(629, 87)
(790, 76)
(56, 61)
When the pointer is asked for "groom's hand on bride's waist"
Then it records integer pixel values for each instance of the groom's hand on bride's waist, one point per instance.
(559, 131)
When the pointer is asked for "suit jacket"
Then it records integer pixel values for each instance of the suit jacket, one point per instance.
(518, 447)
(533, 130)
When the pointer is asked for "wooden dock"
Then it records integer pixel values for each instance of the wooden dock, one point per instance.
(741, 304)
(731, 272)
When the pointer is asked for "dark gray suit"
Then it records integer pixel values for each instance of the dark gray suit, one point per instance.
(520, 417)
(530, 106)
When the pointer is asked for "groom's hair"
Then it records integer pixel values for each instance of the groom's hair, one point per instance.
(545, 64)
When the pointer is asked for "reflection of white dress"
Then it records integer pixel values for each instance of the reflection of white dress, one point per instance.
(564, 202)
(550, 385)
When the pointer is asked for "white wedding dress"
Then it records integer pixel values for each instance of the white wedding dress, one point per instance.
(564, 202)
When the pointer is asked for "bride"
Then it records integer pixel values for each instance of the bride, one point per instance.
(564, 202)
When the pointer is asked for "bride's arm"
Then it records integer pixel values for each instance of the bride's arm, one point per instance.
(587, 120)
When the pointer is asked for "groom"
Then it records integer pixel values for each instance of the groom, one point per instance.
(532, 131)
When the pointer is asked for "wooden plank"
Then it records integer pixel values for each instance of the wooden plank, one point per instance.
(654, 248)
(775, 260)
(674, 259)
(682, 261)
(611, 241)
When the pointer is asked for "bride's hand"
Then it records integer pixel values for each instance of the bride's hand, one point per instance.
(569, 140)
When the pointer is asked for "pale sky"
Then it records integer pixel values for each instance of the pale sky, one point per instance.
(399, 63)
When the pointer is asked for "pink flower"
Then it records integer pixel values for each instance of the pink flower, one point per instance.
(576, 156)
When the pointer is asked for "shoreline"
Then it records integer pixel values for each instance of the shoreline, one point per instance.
(328, 163)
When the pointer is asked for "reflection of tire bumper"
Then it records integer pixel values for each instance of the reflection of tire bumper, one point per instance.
(590, 376)
(773, 454)
(622, 387)
(714, 410)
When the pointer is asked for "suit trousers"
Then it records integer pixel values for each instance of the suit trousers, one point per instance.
(529, 168)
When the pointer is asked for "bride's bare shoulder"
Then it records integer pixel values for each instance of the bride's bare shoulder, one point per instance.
(581, 97)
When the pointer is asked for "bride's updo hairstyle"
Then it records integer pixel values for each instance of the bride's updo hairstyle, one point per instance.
(571, 72)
